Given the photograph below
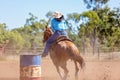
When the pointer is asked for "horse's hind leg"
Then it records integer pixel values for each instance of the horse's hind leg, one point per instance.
(65, 71)
(76, 70)
(58, 70)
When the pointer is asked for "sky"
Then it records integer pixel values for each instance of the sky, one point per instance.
(15, 12)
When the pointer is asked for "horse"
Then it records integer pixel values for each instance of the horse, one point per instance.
(61, 52)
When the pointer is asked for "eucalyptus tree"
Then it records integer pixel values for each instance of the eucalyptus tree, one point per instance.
(34, 28)
(49, 15)
(2, 32)
(10, 39)
(89, 28)
(95, 4)
(116, 24)
(32, 31)
(109, 26)
(73, 23)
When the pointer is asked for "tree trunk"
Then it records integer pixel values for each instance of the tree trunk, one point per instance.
(2, 49)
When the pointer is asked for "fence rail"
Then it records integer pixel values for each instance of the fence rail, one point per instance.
(36, 50)
(100, 54)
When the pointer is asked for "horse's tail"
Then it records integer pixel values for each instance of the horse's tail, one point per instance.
(80, 61)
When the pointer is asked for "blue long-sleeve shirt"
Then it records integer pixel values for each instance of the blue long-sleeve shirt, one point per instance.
(56, 25)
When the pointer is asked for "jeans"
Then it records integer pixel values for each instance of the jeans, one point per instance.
(52, 38)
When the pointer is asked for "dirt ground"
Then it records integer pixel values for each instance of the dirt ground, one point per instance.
(95, 70)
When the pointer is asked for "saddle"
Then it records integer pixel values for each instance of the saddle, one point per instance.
(62, 38)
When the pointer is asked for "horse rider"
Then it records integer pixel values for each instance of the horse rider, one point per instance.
(58, 26)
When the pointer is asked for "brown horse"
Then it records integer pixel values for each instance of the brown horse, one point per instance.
(61, 52)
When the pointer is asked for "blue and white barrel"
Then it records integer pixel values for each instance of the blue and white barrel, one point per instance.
(30, 67)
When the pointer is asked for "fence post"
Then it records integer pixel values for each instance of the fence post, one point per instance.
(98, 54)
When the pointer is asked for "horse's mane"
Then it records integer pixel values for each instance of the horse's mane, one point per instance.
(47, 33)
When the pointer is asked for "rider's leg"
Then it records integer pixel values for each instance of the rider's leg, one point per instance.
(50, 40)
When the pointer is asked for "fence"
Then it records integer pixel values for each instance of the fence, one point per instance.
(100, 54)
(10, 51)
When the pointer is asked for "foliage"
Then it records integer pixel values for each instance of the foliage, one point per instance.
(25, 37)
(102, 27)
(12, 39)
(15, 40)
(32, 31)
(86, 29)
(109, 26)
(95, 4)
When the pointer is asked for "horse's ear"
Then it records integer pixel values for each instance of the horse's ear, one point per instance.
(46, 26)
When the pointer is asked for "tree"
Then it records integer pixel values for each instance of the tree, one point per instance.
(95, 4)
(109, 26)
(2, 33)
(73, 23)
(89, 29)
(32, 32)
(9, 38)
(49, 15)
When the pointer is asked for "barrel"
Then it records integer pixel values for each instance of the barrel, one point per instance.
(30, 67)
